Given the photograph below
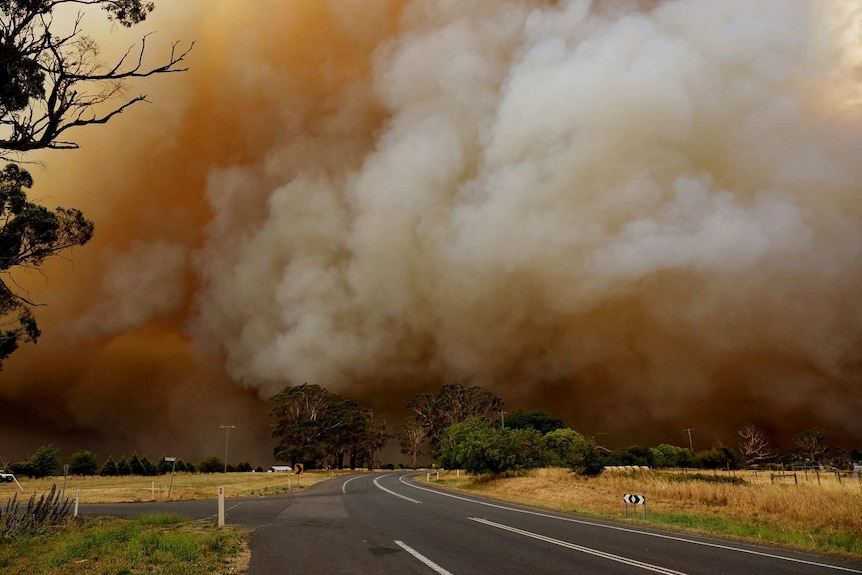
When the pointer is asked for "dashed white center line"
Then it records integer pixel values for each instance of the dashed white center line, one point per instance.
(582, 549)
(422, 558)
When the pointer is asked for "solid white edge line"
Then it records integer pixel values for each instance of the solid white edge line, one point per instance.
(627, 530)
(390, 492)
(422, 558)
(582, 549)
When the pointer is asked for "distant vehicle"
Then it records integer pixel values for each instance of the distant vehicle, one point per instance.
(7, 477)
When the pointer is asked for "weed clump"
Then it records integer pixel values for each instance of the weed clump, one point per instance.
(686, 477)
(36, 518)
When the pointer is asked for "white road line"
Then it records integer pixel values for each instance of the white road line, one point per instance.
(635, 531)
(596, 552)
(392, 492)
(422, 558)
(344, 486)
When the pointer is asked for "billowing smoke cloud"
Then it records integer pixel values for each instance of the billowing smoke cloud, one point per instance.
(636, 214)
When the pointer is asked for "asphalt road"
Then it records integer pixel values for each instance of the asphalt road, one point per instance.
(387, 524)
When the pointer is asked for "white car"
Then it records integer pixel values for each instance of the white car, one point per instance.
(7, 477)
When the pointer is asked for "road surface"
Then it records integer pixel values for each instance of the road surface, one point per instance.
(389, 524)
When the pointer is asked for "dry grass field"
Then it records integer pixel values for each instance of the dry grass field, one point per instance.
(824, 516)
(185, 486)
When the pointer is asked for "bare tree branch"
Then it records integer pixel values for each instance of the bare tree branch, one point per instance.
(56, 83)
(754, 445)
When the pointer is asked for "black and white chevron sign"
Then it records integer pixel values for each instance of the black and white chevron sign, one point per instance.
(635, 499)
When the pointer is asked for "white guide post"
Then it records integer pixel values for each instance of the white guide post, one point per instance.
(221, 506)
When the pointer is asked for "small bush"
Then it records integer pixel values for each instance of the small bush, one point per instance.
(83, 463)
(210, 464)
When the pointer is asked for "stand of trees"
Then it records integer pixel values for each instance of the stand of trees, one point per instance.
(45, 462)
(478, 446)
(320, 428)
(465, 427)
(424, 430)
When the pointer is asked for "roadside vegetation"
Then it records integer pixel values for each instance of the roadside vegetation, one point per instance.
(163, 544)
(186, 486)
(808, 497)
(818, 514)
(38, 534)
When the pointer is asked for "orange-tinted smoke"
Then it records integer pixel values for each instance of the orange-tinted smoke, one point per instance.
(639, 215)
(115, 369)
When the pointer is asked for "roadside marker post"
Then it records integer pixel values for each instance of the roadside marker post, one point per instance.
(77, 498)
(221, 506)
(634, 500)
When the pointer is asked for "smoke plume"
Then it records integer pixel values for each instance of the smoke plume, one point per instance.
(639, 215)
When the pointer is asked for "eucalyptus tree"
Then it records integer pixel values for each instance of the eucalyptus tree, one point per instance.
(318, 427)
(52, 83)
(454, 403)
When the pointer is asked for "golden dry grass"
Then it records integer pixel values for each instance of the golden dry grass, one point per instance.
(825, 516)
(185, 486)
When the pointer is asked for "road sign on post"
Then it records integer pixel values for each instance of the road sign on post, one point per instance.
(173, 461)
(634, 500)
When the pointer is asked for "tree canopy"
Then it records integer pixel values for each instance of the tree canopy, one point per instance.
(453, 404)
(318, 427)
(83, 463)
(51, 80)
(29, 234)
(538, 420)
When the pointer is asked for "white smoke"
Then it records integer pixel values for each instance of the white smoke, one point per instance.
(657, 191)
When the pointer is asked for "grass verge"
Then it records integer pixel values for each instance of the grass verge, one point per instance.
(184, 486)
(153, 544)
(820, 517)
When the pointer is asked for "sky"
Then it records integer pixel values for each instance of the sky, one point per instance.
(642, 216)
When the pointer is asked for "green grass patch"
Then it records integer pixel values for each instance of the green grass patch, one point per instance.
(153, 544)
(161, 519)
(817, 539)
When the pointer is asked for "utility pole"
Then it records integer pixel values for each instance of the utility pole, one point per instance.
(227, 429)
(502, 419)
(690, 444)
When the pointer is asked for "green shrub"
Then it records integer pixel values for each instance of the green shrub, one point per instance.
(83, 463)
(210, 464)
